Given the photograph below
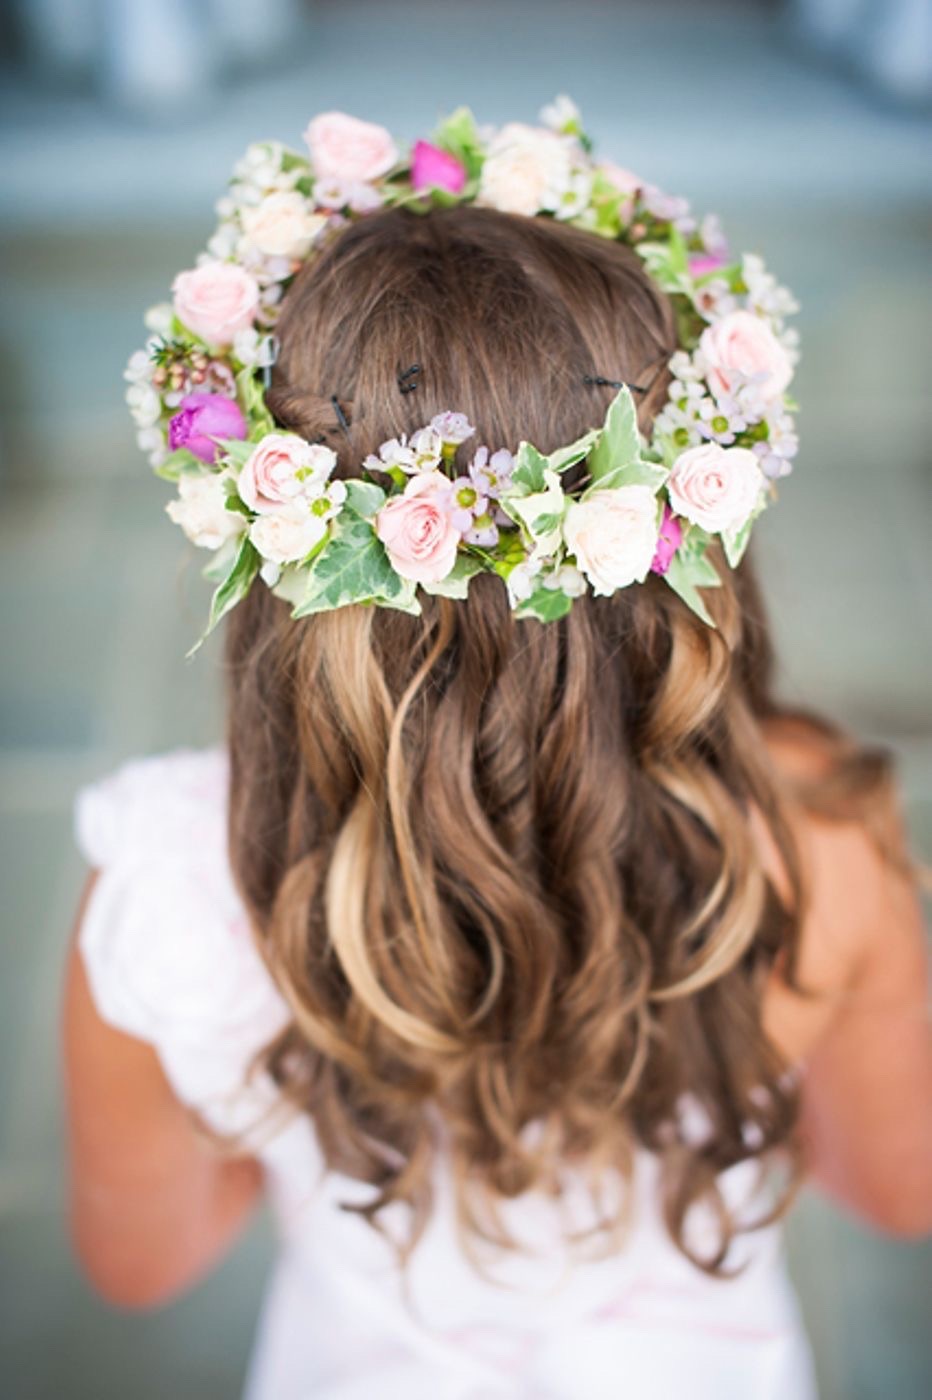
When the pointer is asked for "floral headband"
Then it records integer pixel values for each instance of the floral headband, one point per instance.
(419, 516)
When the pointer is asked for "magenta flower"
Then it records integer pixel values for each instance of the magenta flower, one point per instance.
(432, 168)
(702, 263)
(668, 542)
(202, 419)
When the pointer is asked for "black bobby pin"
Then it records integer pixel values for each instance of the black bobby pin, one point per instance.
(407, 379)
(269, 363)
(341, 418)
(602, 383)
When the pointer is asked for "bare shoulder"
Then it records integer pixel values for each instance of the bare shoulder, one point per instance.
(862, 936)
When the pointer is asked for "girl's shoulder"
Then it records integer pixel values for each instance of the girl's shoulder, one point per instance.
(165, 939)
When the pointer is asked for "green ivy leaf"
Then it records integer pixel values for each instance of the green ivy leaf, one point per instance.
(220, 562)
(686, 575)
(618, 457)
(529, 468)
(546, 604)
(735, 542)
(456, 583)
(365, 498)
(352, 568)
(568, 456)
(619, 442)
(179, 463)
(539, 512)
(234, 587)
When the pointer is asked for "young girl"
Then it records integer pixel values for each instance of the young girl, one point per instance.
(517, 943)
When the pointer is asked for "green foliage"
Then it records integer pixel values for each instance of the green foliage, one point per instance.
(459, 135)
(539, 512)
(735, 542)
(354, 568)
(236, 452)
(233, 587)
(690, 569)
(251, 395)
(179, 463)
(668, 262)
(364, 498)
(617, 458)
(546, 604)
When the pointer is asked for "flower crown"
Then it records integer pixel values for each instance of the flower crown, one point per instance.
(265, 502)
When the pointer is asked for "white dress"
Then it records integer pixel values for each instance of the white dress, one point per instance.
(170, 960)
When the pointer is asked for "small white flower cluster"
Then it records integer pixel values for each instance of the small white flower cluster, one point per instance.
(731, 388)
(267, 225)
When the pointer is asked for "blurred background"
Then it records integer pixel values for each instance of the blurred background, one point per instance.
(805, 124)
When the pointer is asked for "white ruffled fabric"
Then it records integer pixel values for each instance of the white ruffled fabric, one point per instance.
(170, 959)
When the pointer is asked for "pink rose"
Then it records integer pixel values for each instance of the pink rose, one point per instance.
(347, 149)
(283, 468)
(201, 420)
(417, 530)
(669, 541)
(715, 487)
(742, 343)
(215, 300)
(432, 168)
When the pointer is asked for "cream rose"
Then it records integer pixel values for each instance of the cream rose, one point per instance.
(282, 225)
(347, 149)
(282, 468)
(417, 530)
(613, 534)
(288, 536)
(715, 487)
(741, 342)
(526, 169)
(201, 511)
(215, 300)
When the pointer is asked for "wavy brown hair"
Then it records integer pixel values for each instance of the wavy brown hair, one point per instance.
(503, 872)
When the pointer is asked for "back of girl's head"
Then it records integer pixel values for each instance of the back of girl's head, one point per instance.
(503, 870)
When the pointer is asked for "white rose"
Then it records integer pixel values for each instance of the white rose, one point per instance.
(715, 487)
(283, 225)
(526, 169)
(201, 511)
(742, 342)
(288, 536)
(613, 534)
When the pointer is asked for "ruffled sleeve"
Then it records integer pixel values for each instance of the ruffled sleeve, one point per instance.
(165, 941)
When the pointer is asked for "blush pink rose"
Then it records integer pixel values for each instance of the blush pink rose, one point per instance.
(345, 148)
(741, 342)
(433, 168)
(282, 469)
(216, 300)
(417, 530)
(715, 487)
